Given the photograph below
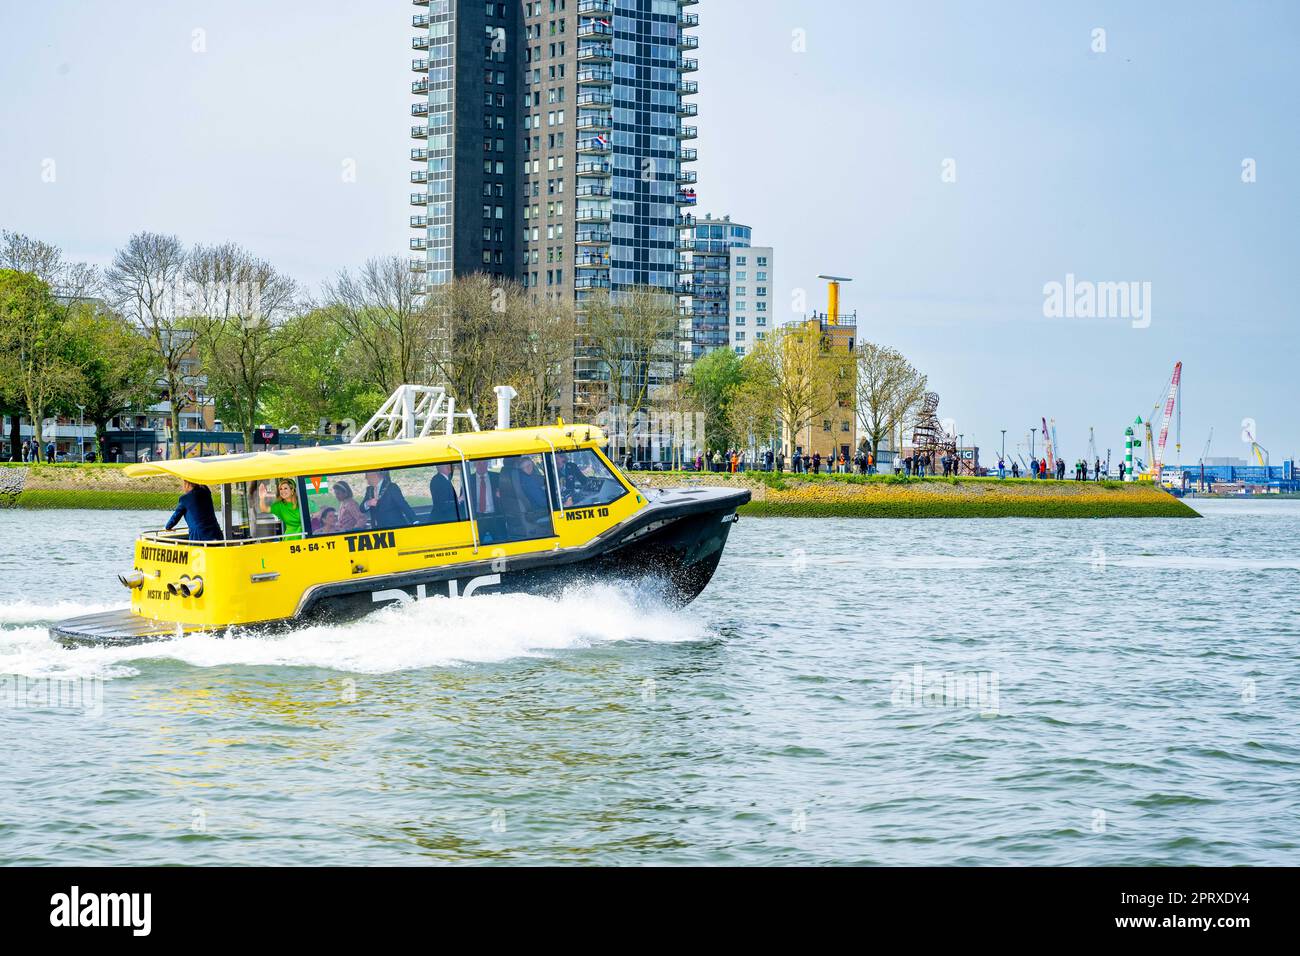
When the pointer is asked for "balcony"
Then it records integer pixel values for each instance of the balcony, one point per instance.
(595, 29)
(687, 20)
(687, 177)
(420, 86)
(595, 124)
(684, 65)
(602, 170)
(590, 282)
(419, 222)
(420, 43)
(598, 192)
(419, 132)
(686, 197)
(419, 245)
(596, 53)
(687, 3)
(591, 237)
(689, 42)
(419, 176)
(420, 66)
(421, 21)
(685, 221)
(688, 87)
(419, 265)
(595, 77)
(687, 109)
(683, 132)
(592, 260)
(420, 109)
(598, 217)
(596, 100)
(688, 155)
(419, 199)
(419, 155)
(594, 146)
(594, 8)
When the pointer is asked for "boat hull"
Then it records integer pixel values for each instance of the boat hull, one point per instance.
(674, 545)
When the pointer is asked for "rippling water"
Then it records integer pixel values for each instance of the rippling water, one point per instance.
(901, 692)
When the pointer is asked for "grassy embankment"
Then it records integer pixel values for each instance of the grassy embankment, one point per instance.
(775, 496)
(97, 486)
(889, 496)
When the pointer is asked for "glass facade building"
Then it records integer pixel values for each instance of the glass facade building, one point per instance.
(706, 272)
(553, 138)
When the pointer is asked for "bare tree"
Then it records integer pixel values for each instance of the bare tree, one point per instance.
(889, 389)
(478, 336)
(544, 362)
(241, 319)
(145, 283)
(68, 281)
(630, 339)
(391, 326)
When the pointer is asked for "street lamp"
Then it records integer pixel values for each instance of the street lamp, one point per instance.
(961, 455)
(1004, 443)
(1033, 432)
(81, 434)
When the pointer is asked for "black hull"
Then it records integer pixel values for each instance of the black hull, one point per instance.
(674, 544)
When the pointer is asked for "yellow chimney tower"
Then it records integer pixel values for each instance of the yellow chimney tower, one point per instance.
(833, 298)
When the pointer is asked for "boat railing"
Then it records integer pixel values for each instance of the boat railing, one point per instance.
(164, 536)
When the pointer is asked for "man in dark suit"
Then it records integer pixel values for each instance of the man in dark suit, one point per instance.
(446, 507)
(200, 516)
(484, 497)
(384, 503)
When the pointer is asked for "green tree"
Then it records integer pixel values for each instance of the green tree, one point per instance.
(319, 380)
(118, 369)
(36, 342)
(712, 383)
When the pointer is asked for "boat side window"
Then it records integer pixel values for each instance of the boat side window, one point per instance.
(584, 479)
(509, 499)
(387, 499)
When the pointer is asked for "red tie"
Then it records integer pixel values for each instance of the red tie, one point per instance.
(482, 494)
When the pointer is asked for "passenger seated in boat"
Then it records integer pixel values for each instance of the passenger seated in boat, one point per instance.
(349, 516)
(384, 502)
(327, 522)
(484, 495)
(447, 505)
(285, 507)
(534, 503)
(195, 506)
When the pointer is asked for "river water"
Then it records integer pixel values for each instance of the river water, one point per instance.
(891, 692)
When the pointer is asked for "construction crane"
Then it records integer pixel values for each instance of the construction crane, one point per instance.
(1258, 450)
(1158, 456)
(1206, 452)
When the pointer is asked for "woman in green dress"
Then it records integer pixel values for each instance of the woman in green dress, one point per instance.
(285, 507)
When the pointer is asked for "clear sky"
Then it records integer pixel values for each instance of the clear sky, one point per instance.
(833, 142)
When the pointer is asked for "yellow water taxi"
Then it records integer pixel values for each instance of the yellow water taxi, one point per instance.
(365, 524)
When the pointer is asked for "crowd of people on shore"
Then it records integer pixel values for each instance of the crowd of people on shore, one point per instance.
(917, 465)
(31, 452)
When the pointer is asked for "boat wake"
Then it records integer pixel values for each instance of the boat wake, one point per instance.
(436, 632)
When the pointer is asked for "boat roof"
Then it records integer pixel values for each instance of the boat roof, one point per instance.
(370, 456)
